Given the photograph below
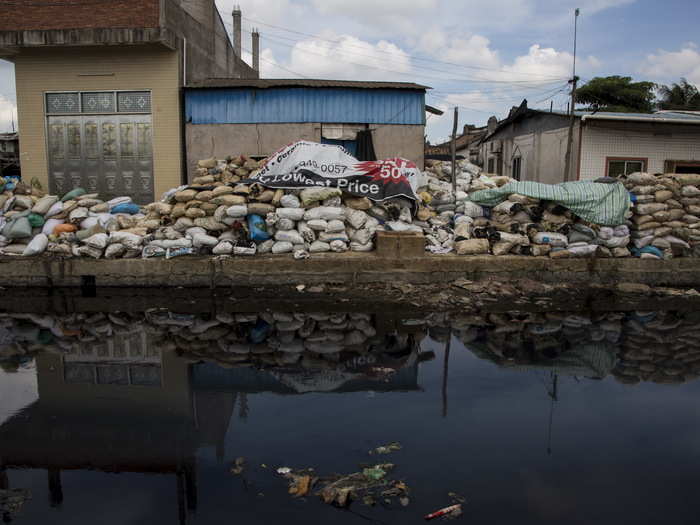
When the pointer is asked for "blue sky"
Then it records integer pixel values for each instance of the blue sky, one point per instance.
(483, 56)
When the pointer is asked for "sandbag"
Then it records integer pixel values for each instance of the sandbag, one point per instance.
(472, 247)
(37, 245)
(282, 247)
(44, 204)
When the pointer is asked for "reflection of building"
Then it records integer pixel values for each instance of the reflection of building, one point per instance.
(110, 415)
(119, 403)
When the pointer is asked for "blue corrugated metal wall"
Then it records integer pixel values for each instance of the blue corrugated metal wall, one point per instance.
(329, 105)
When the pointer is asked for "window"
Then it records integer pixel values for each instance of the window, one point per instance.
(98, 102)
(491, 165)
(618, 167)
(516, 167)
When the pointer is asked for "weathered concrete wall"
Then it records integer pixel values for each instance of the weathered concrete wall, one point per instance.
(350, 268)
(393, 140)
(219, 140)
(38, 70)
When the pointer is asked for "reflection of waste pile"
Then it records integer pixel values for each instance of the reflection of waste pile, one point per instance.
(570, 344)
(662, 347)
(279, 352)
(11, 502)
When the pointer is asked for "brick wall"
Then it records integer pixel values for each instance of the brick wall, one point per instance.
(657, 145)
(18, 15)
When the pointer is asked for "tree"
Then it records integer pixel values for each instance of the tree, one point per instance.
(679, 96)
(617, 94)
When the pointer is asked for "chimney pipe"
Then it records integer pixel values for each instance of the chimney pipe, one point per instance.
(237, 30)
(256, 51)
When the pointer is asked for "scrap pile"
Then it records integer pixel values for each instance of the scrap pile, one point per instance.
(666, 220)
(519, 224)
(661, 347)
(225, 211)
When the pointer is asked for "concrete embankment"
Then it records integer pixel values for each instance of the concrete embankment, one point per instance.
(347, 269)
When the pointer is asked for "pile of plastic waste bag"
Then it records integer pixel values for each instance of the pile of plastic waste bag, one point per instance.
(225, 212)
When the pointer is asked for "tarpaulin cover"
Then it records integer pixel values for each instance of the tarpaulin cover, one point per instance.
(604, 204)
(306, 164)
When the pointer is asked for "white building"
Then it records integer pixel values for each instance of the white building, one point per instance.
(531, 144)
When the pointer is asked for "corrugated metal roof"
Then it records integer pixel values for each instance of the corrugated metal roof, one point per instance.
(658, 115)
(300, 82)
(291, 105)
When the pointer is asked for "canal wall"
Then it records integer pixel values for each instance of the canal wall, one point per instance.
(346, 269)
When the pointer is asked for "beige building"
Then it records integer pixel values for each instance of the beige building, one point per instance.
(531, 144)
(99, 88)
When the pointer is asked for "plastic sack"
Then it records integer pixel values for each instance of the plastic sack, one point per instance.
(44, 204)
(324, 212)
(282, 247)
(202, 239)
(335, 226)
(293, 214)
(291, 236)
(311, 195)
(472, 247)
(37, 245)
(356, 218)
(115, 250)
(284, 224)
(551, 238)
(290, 201)
(130, 240)
(317, 224)
(237, 211)
(223, 248)
(77, 192)
(319, 246)
(99, 240)
(18, 228)
(128, 208)
(257, 229)
(338, 246)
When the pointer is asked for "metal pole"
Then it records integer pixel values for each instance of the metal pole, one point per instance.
(573, 81)
(454, 153)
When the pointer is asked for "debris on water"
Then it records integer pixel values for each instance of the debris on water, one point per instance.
(404, 501)
(238, 466)
(457, 498)
(447, 512)
(300, 287)
(12, 501)
(377, 472)
(300, 485)
(387, 449)
(284, 470)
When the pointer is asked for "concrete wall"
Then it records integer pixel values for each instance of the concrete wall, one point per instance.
(407, 141)
(657, 143)
(219, 140)
(38, 70)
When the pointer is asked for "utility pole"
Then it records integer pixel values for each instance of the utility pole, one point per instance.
(454, 153)
(573, 81)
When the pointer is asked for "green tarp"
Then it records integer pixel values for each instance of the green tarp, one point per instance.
(604, 204)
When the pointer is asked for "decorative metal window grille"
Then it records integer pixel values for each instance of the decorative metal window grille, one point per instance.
(102, 102)
(98, 102)
(62, 103)
(134, 102)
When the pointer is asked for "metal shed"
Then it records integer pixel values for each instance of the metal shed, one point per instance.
(256, 117)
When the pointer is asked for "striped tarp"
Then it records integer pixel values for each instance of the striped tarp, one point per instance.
(604, 204)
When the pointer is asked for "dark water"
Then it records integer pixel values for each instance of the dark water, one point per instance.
(532, 418)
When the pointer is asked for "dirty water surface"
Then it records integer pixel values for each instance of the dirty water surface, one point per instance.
(304, 417)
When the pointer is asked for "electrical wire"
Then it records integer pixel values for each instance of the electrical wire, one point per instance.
(410, 56)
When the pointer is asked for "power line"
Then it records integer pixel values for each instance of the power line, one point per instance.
(410, 56)
(405, 73)
(275, 38)
(276, 64)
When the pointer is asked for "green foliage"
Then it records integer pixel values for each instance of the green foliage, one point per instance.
(682, 96)
(617, 93)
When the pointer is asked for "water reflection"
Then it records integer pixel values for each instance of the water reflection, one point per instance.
(144, 392)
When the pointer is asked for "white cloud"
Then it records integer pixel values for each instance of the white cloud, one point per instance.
(344, 56)
(670, 66)
(473, 51)
(8, 111)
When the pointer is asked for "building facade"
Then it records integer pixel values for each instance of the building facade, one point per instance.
(531, 145)
(258, 117)
(99, 88)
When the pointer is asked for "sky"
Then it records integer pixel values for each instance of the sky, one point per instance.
(482, 56)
